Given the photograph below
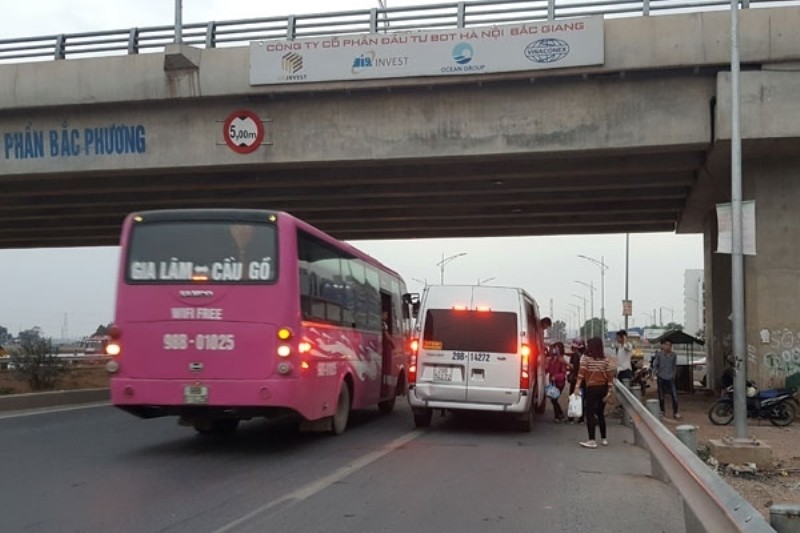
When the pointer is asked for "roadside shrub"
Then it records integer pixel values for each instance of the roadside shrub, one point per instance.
(35, 361)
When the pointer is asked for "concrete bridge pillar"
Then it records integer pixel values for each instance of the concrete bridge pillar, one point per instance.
(772, 277)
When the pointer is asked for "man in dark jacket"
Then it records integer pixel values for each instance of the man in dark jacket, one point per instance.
(665, 366)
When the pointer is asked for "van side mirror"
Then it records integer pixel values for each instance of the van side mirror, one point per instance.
(411, 300)
(546, 323)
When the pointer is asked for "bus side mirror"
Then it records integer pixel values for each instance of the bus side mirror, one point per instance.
(411, 299)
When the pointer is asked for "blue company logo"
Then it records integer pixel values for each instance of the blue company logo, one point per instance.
(462, 53)
(547, 50)
(363, 62)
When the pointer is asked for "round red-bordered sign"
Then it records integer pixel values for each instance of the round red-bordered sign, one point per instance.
(243, 131)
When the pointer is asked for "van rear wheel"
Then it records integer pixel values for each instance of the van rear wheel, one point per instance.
(423, 417)
(525, 421)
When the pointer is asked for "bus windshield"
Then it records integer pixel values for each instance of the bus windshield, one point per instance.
(202, 251)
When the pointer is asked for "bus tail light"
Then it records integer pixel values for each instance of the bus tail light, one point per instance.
(412, 362)
(284, 334)
(524, 370)
(304, 347)
(113, 348)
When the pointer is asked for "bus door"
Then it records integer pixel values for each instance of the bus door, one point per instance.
(387, 344)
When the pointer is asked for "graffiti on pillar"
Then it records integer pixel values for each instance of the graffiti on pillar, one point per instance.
(783, 356)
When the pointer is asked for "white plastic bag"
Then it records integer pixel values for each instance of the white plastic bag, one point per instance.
(575, 406)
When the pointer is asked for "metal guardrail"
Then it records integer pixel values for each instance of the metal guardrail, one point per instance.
(715, 505)
(390, 20)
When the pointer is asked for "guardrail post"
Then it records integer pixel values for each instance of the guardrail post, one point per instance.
(785, 517)
(291, 31)
(373, 20)
(551, 9)
(133, 41)
(653, 407)
(646, 8)
(461, 19)
(211, 35)
(686, 434)
(61, 47)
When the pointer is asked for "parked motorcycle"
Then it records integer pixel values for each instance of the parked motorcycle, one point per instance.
(641, 377)
(775, 405)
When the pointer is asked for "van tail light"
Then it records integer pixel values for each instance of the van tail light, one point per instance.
(412, 362)
(525, 368)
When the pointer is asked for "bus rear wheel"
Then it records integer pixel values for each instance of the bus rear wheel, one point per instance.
(225, 426)
(342, 414)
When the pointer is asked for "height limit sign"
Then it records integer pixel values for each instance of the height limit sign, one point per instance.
(243, 131)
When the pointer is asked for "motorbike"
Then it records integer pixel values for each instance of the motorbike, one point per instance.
(776, 405)
(641, 377)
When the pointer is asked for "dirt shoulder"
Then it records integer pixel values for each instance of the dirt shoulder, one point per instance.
(778, 484)
(79, 377)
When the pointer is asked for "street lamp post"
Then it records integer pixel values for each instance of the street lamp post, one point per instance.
(446, 260)
(591, 288)
(585, 316)
(603, 267)
(487, 280)
(578, 311)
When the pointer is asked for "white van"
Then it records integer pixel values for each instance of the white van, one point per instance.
(477, 348)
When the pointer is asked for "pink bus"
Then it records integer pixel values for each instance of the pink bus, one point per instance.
(225, 315)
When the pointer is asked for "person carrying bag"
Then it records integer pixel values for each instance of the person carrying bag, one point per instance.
(597, 372)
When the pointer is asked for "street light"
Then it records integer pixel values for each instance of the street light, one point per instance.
(661, 316)
(591, 294)
(444, 261)
(487, 280)
(578, 309)
(603, 267)
(585, 316)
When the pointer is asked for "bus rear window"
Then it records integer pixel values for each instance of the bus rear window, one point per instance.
(471, 331)
(202, 251)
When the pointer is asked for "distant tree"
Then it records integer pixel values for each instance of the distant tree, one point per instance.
(593, 327)
(674, 326)
(5, 336)
(558, 332)
(101, 330)
(29, 335)
(35, 361)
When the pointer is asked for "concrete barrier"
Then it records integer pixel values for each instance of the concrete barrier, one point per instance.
(35, 400)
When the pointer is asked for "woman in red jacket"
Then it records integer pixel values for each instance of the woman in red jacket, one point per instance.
(557, 369)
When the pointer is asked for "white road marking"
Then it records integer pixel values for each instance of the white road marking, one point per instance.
(310, 489)
(45, 410)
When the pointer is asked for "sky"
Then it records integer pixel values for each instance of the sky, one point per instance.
(72, 290)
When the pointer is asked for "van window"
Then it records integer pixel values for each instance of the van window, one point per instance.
(472, 331)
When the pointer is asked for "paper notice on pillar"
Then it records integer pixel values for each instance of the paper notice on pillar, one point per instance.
(725, 228)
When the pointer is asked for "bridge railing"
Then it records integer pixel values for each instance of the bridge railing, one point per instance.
(391, 19)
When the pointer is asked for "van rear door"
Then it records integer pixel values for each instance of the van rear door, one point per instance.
(470, 352)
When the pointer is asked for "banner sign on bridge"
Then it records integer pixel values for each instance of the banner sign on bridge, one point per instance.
(479, 50)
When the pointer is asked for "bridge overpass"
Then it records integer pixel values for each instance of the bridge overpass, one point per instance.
(637, 140)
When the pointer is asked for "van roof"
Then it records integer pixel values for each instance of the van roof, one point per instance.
(473, 296)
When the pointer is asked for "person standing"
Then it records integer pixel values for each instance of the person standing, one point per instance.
(578, 349)
(665, 366)
(624, 351)
(597, 372)
(557, 370)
